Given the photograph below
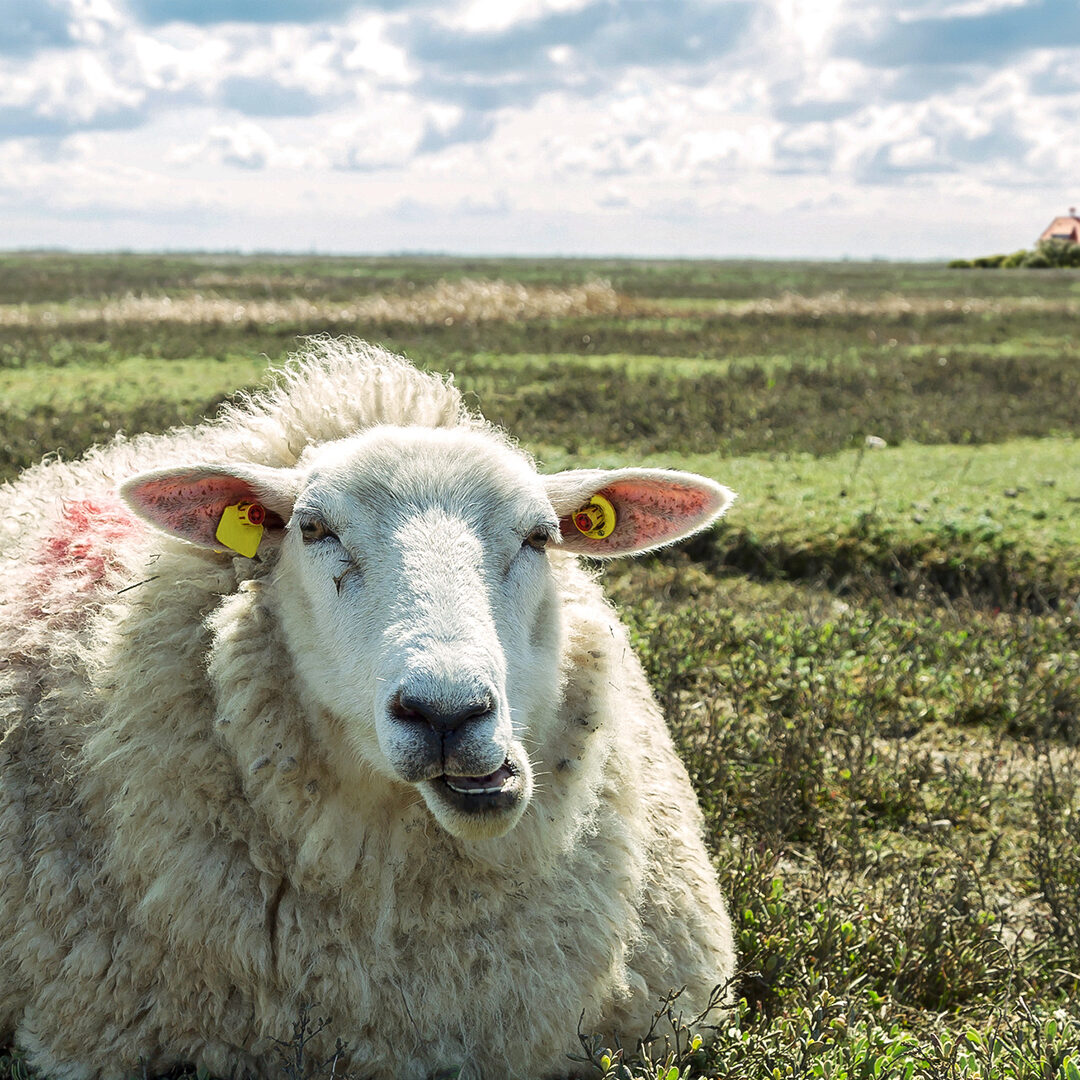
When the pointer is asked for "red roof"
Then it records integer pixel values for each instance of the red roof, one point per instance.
(1063, 228)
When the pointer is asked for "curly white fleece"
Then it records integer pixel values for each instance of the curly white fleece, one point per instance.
(182, 868)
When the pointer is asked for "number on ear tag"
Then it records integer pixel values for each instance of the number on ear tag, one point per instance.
(596, 519)
(240, 528)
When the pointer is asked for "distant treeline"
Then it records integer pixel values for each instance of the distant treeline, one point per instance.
(1047, 255)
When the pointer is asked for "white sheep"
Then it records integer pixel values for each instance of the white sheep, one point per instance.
(400, 765)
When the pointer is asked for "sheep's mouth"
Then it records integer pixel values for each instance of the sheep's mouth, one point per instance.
(499, 790)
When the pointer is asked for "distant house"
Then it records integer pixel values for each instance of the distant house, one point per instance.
(1063, 228)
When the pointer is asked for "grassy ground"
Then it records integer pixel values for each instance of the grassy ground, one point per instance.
(872, 669)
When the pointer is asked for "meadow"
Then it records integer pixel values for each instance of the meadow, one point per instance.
(872, 669)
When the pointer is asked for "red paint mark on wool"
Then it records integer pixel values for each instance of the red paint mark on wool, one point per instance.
(86, 533)
(81, 550)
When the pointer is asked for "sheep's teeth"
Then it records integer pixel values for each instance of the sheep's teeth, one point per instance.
(474, 785)
(475, 790)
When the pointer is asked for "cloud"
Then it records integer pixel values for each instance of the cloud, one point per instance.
(648, 32)
(471, 126)
(814, 112)
(981, 137)
(898, 161)
(24, 121)
(244, 146)
(1061, 77)
(298, 114)
(917, 82)
(56, 94)
(203, 13)
(574, 50)
(29, 27)
(263, 96)
(382, 134)
(1003, 143)
(986, 37)
(807, 149)
(512, 91)
(251, 147)
(50, 186)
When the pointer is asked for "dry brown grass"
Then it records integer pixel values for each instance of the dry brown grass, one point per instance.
(888, 305)
(470, 300)
(445, 303)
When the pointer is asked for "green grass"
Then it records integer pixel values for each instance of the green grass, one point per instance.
(996, 523)
(872, 670)
(125, 383)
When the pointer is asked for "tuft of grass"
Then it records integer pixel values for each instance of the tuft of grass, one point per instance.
(1054, 854)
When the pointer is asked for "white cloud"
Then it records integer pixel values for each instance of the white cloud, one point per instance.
(807, 25)
(382, 136)
(607, 112)
(59, 93)
(93, 21)
(367, 48)
(919, 153)
(177, 64)
(244, 145)
(477, 16)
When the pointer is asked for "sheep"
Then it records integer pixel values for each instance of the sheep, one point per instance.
(382, 749)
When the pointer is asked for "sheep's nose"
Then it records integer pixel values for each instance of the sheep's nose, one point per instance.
(441, 719)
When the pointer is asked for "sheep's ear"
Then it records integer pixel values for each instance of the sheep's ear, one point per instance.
(189, 502)
(625, 511)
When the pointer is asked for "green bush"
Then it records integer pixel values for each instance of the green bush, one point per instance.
(1048, 254)
(1056, 253)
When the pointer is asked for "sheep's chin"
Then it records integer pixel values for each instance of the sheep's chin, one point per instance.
(482, 814)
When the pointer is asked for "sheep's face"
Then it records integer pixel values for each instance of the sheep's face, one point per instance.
(420, 608)
(414, 589)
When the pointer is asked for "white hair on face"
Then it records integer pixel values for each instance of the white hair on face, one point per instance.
(220, 796)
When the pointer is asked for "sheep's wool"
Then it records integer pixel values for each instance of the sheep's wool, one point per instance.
(191, 855)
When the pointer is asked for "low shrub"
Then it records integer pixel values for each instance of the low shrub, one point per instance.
(1056, 253)
(1047, 255)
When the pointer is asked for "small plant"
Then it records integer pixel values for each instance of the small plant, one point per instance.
(12, 1066)
(295, 1054)
(1054, 855)
(672, 1048)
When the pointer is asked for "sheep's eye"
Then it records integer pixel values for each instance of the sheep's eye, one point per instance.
(314, 529)
(537, 539)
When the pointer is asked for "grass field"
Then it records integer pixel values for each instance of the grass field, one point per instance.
(872, 670)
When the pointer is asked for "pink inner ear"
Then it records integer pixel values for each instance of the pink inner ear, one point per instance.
(648, 513)
(189, 505)
(655, 512)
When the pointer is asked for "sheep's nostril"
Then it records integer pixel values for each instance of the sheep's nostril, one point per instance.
(399, 710)
(412, 709)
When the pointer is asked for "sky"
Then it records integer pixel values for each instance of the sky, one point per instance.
(654, 128)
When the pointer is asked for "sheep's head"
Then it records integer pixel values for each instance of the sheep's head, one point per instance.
(414, 588)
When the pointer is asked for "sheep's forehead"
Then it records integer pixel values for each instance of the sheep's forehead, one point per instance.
(393, 470)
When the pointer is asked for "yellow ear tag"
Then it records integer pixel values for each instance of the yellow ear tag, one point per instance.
(240, 528)
(596, 519)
